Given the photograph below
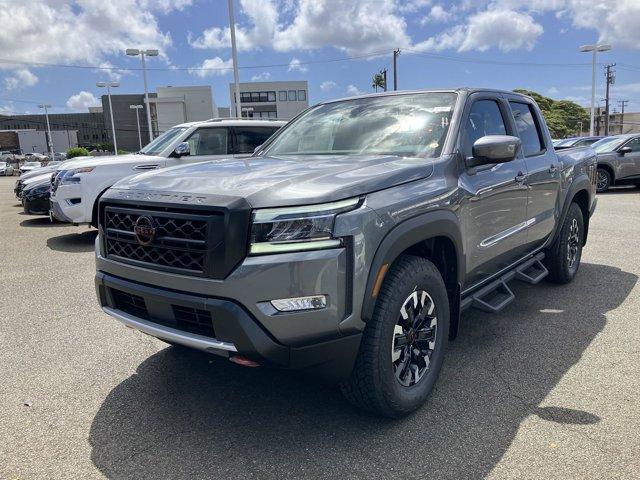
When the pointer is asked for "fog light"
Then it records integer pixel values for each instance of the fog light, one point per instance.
(314, 302)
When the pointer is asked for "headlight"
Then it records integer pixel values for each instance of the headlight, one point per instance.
(72, 176)
(289, 229)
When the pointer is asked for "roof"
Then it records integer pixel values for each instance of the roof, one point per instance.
(467, 90)
(236, 122)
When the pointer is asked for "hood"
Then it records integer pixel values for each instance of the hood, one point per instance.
(106, 160)
(37, 179)
(278, 181)
(37, 172)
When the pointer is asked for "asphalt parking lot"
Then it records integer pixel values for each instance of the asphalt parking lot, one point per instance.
(549, 388)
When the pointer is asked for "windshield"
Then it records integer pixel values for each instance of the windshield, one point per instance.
(163, 141)
(608, 144)
(405, 125)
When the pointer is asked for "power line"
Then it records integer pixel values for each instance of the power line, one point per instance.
(175, 68)
(313, 62)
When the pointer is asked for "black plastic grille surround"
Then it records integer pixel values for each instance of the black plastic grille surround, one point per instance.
(187, 319)
(181, 241)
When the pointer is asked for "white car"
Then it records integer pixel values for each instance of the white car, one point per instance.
(78, 184)
(28, 166)
(6, 169)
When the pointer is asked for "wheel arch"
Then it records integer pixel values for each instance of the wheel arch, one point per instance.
(609, 168)
(435, 236)
(94, 209)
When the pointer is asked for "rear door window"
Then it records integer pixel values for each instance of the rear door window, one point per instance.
(248, 138)
(528, 128)
(209, 141)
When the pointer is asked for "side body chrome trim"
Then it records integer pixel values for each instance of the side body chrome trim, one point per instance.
(491, 241)
(192, 340)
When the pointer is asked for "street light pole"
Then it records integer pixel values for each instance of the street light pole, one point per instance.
(113, 126)
(137, 108)
(46, 106)
(133, 52)
(234, 55)
(594, 49)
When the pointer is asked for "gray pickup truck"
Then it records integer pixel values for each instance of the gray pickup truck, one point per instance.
(351, 241)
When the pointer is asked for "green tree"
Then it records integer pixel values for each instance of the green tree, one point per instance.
(77, 152)
(563, 117)
(378, 81)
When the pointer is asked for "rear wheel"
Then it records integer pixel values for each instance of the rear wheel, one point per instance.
(403, 344)
(603, 180)
(563, 259)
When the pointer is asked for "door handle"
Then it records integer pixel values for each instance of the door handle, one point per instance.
(553, 168)
(520, 177)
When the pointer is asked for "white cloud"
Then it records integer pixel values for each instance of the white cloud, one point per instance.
(82, 101)
(263, 16)
(506, 29)
(211, 67)
(354, 27)
(261, 77)
(295, 65)
(328, 85)
(107, 69)
(364, 26)
(353, 90)
(81, 31)
(20, 79)
(553, 91)
(438, 14)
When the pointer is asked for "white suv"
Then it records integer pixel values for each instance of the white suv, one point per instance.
(78, 184)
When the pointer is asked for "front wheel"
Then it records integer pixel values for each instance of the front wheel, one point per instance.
(563, 259)
(603, 180)
(403, 344)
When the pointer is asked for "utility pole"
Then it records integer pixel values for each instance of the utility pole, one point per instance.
(384, 75)
(622, 104)
(234, 55)
(610, 78)
(396, 52)
(46, 107)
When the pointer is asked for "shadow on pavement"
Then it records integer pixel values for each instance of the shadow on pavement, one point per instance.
(40, 222)
(73, 242)
(189, 415)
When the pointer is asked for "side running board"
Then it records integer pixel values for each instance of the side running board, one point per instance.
(497, 295)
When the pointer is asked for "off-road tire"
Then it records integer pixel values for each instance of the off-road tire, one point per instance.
(373, 385)
(557, 259)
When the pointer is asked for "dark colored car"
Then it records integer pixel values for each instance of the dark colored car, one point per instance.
(349, 244)
(576, 142)
(618, 161)
(35, 197)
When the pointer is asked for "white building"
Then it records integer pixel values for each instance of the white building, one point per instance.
(174, 105)
(35, 141)
(282, 100)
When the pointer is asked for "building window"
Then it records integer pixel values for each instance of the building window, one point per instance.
(302, 95)
(271, 96)
(282, 95)
(292, 95)
(273, 114)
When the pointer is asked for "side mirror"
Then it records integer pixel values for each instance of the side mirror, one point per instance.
(494, 149)
(181, 149)
(625, 150)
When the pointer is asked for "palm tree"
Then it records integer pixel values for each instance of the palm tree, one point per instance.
(378, 81)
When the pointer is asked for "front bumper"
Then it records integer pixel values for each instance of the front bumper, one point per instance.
(67, 204)
(38, 205)
(235, 330)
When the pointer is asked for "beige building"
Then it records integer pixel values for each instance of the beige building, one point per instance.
(281, 100)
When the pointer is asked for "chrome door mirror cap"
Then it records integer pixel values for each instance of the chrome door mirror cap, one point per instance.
(182, 149)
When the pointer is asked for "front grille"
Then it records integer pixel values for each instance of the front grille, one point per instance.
(186, 319)
(180, 243)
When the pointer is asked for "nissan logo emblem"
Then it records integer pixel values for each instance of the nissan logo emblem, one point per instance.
(144, 230)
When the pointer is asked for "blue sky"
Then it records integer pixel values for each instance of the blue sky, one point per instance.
(443, 44)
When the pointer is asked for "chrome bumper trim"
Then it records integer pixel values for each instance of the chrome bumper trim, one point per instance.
(192, 340)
